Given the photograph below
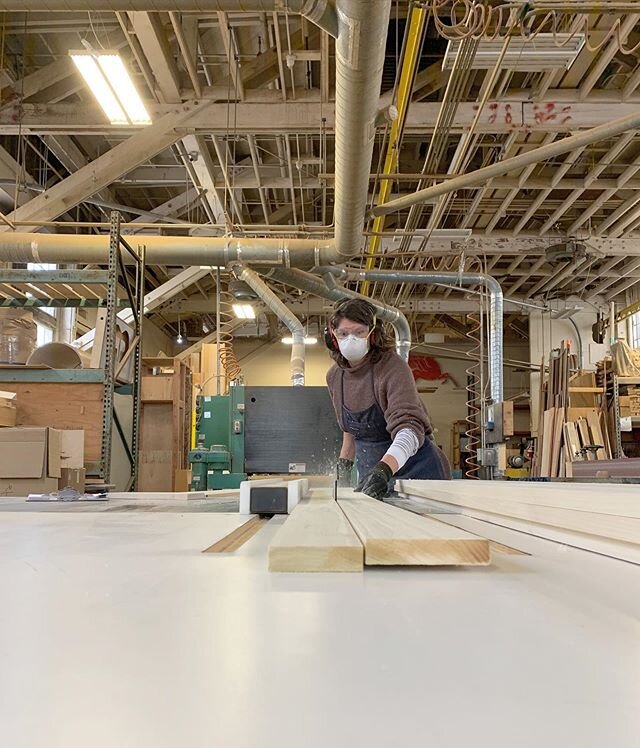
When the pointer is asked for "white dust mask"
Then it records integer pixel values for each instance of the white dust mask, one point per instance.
(354, 349)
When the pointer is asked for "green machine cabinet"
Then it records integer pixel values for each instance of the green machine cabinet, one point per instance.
(218, 459)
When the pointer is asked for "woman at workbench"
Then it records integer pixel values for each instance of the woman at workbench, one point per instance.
(384, 423)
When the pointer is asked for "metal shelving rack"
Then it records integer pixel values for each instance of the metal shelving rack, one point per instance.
(108, 374)
(615, 394)
(135, 295)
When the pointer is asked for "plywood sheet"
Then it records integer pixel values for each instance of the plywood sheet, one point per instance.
(316, 537)
(393, 536)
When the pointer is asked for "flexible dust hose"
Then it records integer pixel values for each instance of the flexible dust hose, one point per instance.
(253, 280)
(228, 359)
(331, 290)
(490, 284)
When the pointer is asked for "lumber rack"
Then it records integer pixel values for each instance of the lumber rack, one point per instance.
(108, 372)
(613, 390)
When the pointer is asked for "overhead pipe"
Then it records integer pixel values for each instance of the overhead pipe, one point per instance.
(320, 12)
(480, 176)
(252, 279)
(360, 54)
(167, 250)
(496, 306)
(330, 290)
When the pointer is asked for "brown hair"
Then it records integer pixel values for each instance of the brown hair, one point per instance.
(359, 310)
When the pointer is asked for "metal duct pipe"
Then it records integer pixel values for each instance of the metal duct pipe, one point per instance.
(296, 328)
(496, 306)
(360, 48)
(308, 282)
(321, 12)
(167, 250)
(480, 176)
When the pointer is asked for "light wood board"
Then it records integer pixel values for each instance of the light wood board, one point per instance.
(457, 520)
(617, 500)
(393, 536)
(610, 526)
(238, 537)
(316, 537)
(629, 552)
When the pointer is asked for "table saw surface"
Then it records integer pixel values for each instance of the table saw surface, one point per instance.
(116, 631)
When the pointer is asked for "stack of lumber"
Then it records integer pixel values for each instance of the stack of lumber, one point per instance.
(572, 420)
(326, 535)
(576, 514)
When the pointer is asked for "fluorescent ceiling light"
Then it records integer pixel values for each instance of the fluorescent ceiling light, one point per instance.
(545, 51)
(307, 341)
(244, 311)
(112, 86)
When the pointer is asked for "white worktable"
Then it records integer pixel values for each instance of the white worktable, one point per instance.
(116, 632)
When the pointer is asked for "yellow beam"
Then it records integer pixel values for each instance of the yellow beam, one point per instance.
(405, 84)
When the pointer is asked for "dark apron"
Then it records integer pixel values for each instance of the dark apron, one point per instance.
(369, 429)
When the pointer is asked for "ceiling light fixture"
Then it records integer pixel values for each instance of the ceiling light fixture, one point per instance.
(244, 311)
(544, 51)
(109, 81)
(307, 341)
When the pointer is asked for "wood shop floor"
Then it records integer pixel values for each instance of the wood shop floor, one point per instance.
(115, 630)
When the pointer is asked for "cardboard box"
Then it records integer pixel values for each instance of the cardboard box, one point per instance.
(157, 389)
(8, 414)
(29, 452)
(72, 478)
(72, 449)
(25, 486)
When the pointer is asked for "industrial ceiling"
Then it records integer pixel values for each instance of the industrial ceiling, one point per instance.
(457, 94)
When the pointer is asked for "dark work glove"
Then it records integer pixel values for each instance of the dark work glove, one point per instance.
(344, 470)
(376, 484)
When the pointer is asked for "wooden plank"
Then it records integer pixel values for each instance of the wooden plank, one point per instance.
(316, 537)
(392, 536)
(604, 525)
(238, 537)
(556, 448)
(585, 437)
(453, 521)
(620, 500)
(628, 552)
(572, 441)
(596, 434)
(547, 442)
(574, 413)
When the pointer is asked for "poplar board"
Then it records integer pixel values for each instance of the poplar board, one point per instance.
(611, 526)
(619, 500)
(316, 537)
(393, 536)
(629, 552)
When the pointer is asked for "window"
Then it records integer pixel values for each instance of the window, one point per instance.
(634, 330)
(44, 334)
(44, 330)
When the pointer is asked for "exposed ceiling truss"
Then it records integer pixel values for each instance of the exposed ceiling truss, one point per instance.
(242, 142)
